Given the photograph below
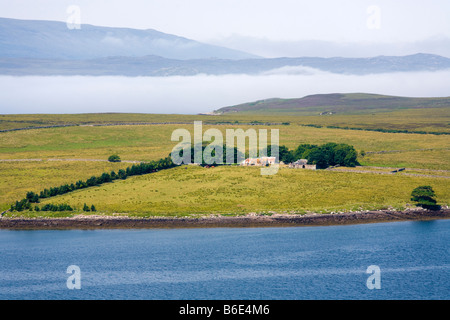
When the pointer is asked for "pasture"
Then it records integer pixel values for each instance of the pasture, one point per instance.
(31, 160)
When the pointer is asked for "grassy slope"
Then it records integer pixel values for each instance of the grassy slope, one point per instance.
(190, 190)
(153, 142)
(431, 119)
(351, 110)
(17, 178)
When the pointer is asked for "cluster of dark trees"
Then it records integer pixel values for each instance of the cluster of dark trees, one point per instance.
(21, 205)
(87, 208)
(424, 197)
(210, 157)
(136, 169)
(114, 158)
(323, 156)
(24, 204)
(54, 207)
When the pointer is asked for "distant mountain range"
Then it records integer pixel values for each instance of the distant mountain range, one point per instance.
(40, 39)
(29, 47)
(324, 104)
(158, 66)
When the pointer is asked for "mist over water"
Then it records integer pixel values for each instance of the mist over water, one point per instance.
(202, 93)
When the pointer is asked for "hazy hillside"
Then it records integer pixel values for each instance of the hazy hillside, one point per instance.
(53, 40)
(50, 48)
(157, 66)
(336, 103)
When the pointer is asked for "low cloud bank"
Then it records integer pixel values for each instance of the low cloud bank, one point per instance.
(202, 93)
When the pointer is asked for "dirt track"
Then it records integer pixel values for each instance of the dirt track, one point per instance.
(369, 169)
(82, 160)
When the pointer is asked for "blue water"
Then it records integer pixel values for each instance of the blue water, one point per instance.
(246, 263)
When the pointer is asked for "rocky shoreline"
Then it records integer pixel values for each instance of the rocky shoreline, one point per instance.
(275, 220)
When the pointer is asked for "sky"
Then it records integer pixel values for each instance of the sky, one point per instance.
(269, 27)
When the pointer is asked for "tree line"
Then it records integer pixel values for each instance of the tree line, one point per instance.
(209, 156)
(323, 156)
(25, 204)
(122, 174)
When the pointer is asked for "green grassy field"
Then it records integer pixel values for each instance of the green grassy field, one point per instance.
(148, 142)
(17, 178)
(190, 190)
(429, 119)
(220, 190)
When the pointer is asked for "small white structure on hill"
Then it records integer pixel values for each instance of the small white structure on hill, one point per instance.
(263, 161)
(302, 164)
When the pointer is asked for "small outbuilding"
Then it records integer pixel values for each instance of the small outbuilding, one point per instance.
(263, 161)
(302, 164)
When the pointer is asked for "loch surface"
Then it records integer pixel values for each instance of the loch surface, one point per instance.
(290, 263)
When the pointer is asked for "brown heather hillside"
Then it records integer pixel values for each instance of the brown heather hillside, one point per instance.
(349, 103)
